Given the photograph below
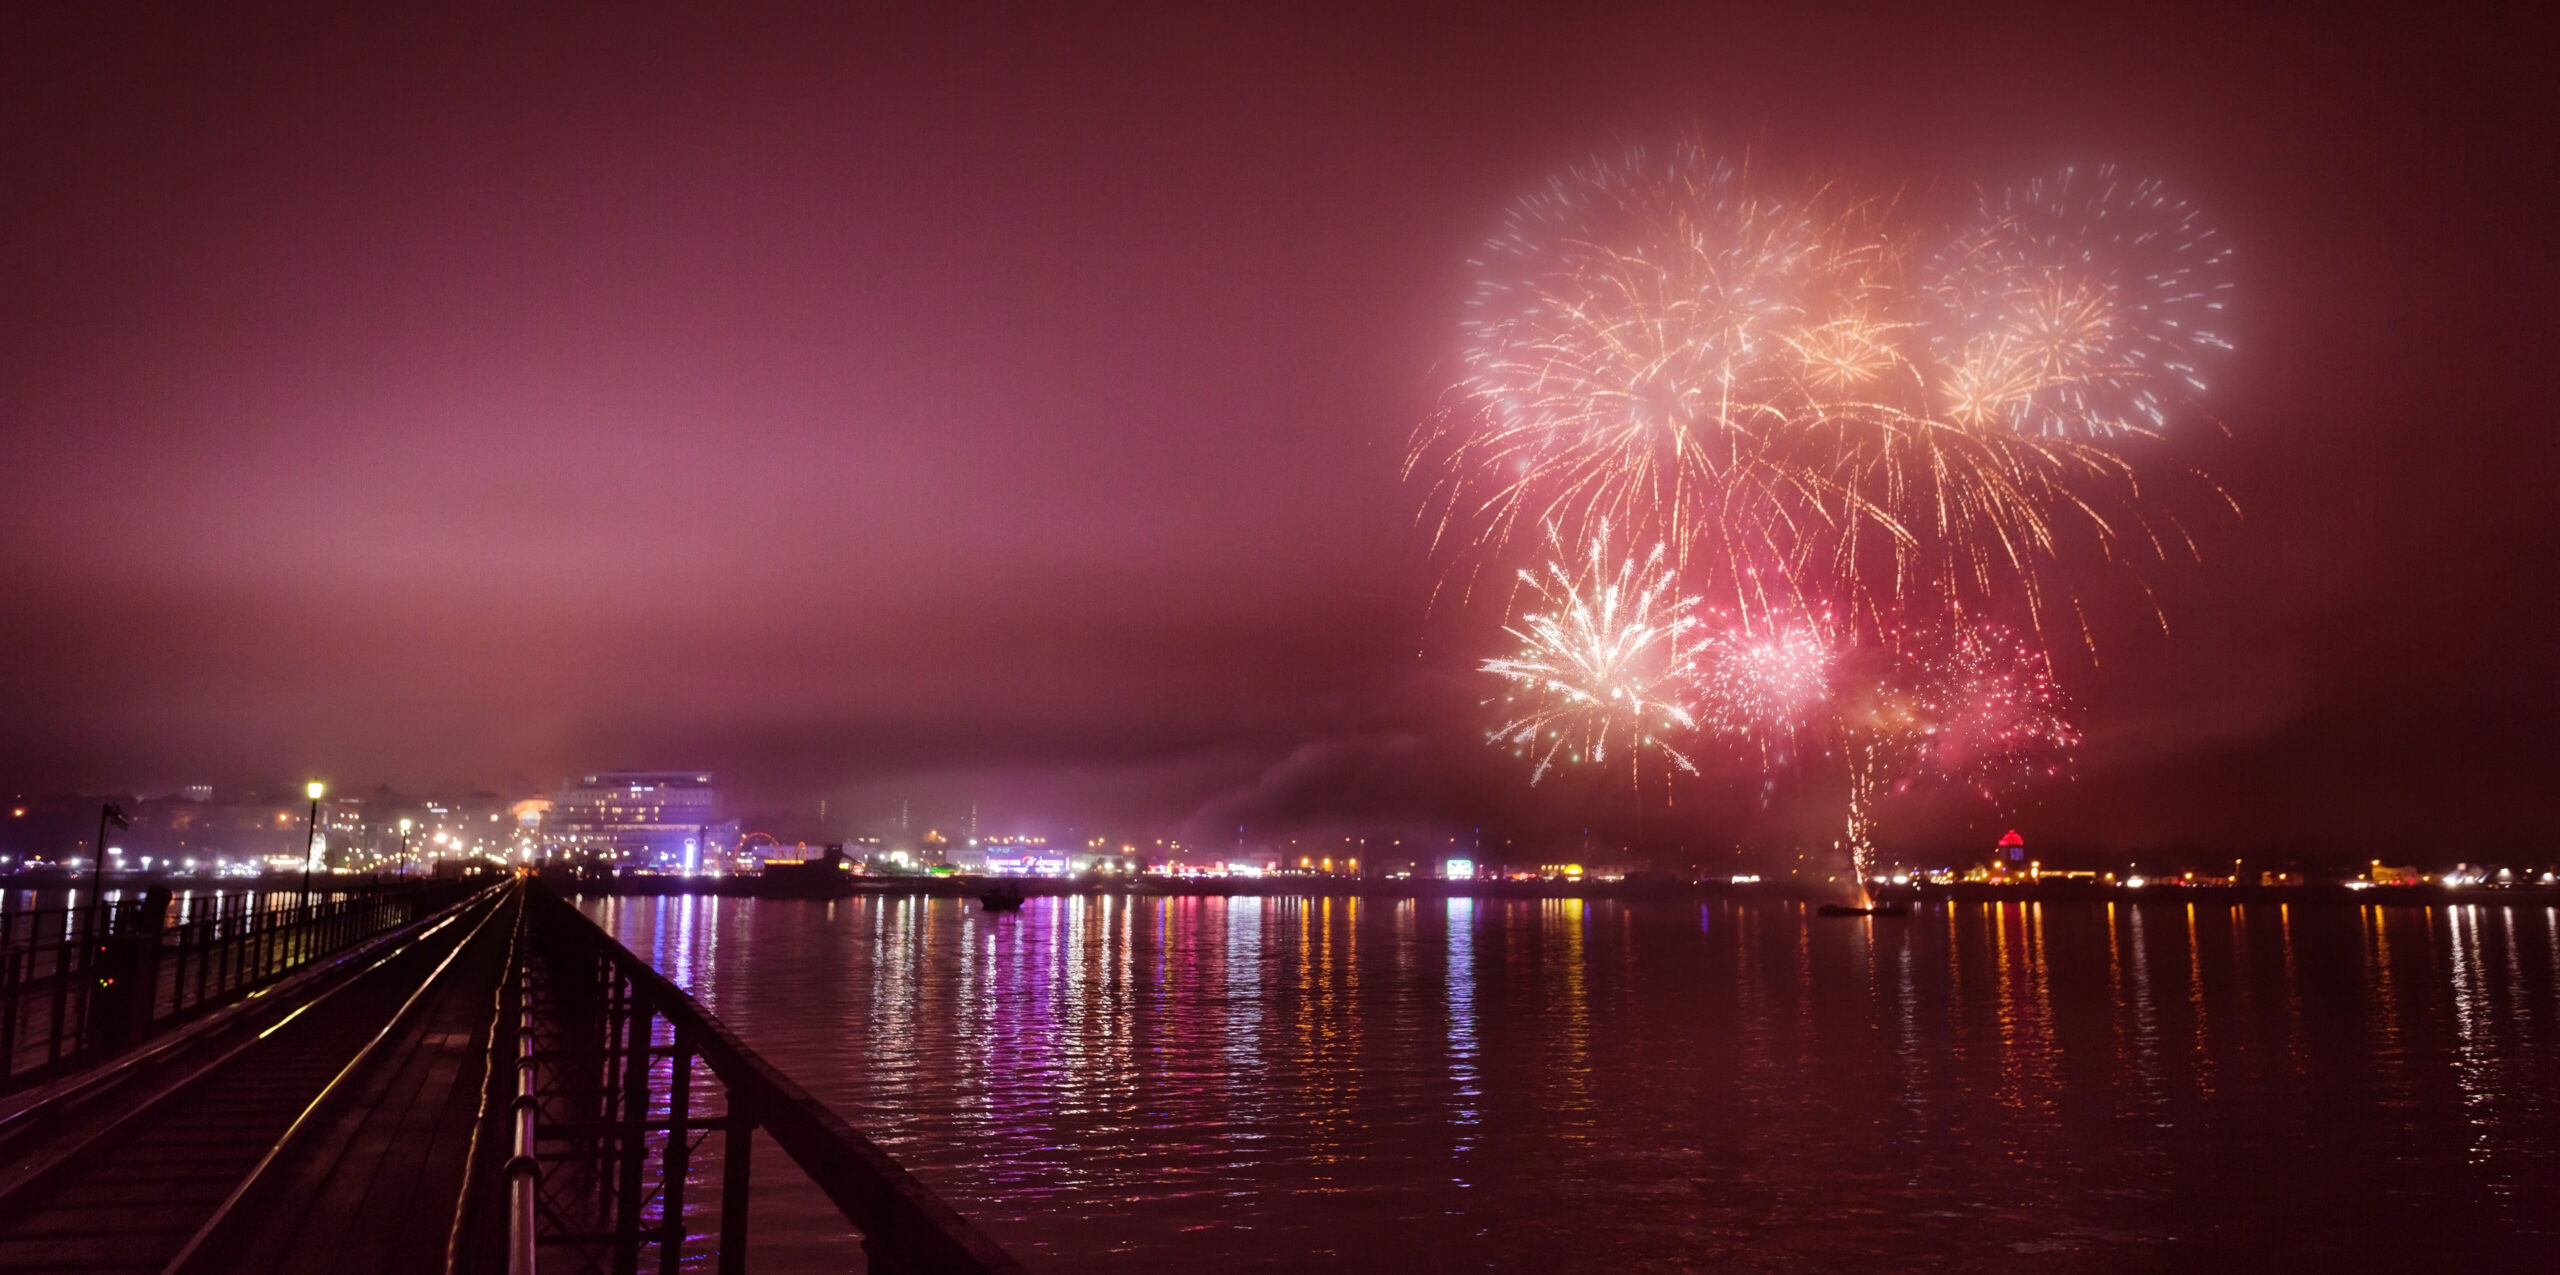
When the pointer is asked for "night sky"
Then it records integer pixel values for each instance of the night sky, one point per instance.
(1009, 407)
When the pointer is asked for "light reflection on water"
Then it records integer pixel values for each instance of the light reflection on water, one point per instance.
(1125, 1082)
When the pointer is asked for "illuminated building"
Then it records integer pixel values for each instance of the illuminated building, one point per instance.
(640, 817)
(1016, 857)
(2008, 861)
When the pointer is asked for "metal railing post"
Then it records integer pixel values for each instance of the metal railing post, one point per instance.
(634, 1147)
(10, 982)
(65, 972)
(671, 1169)
(735, 1152)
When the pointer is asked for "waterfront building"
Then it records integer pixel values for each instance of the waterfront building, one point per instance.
(636, 817)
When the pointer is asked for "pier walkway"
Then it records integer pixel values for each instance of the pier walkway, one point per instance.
(493, 1086)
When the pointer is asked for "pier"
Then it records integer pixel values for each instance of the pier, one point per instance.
(430, 1078)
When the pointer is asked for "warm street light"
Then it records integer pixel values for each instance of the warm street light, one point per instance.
(310, 838)
(405, 825)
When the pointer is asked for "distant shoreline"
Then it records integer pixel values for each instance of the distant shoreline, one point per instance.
(1631, 890)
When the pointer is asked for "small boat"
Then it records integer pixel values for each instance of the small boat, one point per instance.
(1881, 909)
(1005, 900)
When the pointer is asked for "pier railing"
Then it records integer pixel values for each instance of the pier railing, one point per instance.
(81, 982)
(620, 1083)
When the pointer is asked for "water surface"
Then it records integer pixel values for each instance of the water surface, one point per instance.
(1133, 1083)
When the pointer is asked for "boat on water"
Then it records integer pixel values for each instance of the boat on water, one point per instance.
(1001, 899)
(1881, 909)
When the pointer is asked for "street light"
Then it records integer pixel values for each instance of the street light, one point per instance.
(107, 813)
(405, 825)
(310, 837)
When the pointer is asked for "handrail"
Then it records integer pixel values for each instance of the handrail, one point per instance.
(524, 1167)
(904, 1224)
(499, 1060)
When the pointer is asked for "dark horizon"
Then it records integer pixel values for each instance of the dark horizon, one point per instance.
(1008, 409)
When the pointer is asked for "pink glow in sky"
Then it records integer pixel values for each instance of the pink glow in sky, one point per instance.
(1013, 404)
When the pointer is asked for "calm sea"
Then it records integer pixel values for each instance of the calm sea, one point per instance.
(1109, 1083)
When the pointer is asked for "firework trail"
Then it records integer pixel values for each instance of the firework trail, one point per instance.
(1896, 512)
(1605, 665)
(1973, 705)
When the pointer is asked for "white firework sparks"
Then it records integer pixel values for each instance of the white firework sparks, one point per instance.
(1605, 665)
(2083, 305)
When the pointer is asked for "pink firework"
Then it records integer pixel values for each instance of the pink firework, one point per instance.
(1766, 683)
(1995, 720)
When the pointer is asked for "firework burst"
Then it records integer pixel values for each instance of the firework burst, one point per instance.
(1996, 720)
(2082, 305)
(1627, 354)
(1813, 404)
(1757, 381)
(1604, 666)
(1766, 684)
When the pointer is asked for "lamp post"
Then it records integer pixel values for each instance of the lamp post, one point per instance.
(405, 825)
(310, 837)
(107, 813)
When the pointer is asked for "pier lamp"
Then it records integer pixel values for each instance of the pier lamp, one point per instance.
(405, 825)
(310, 837)
(107, 814)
